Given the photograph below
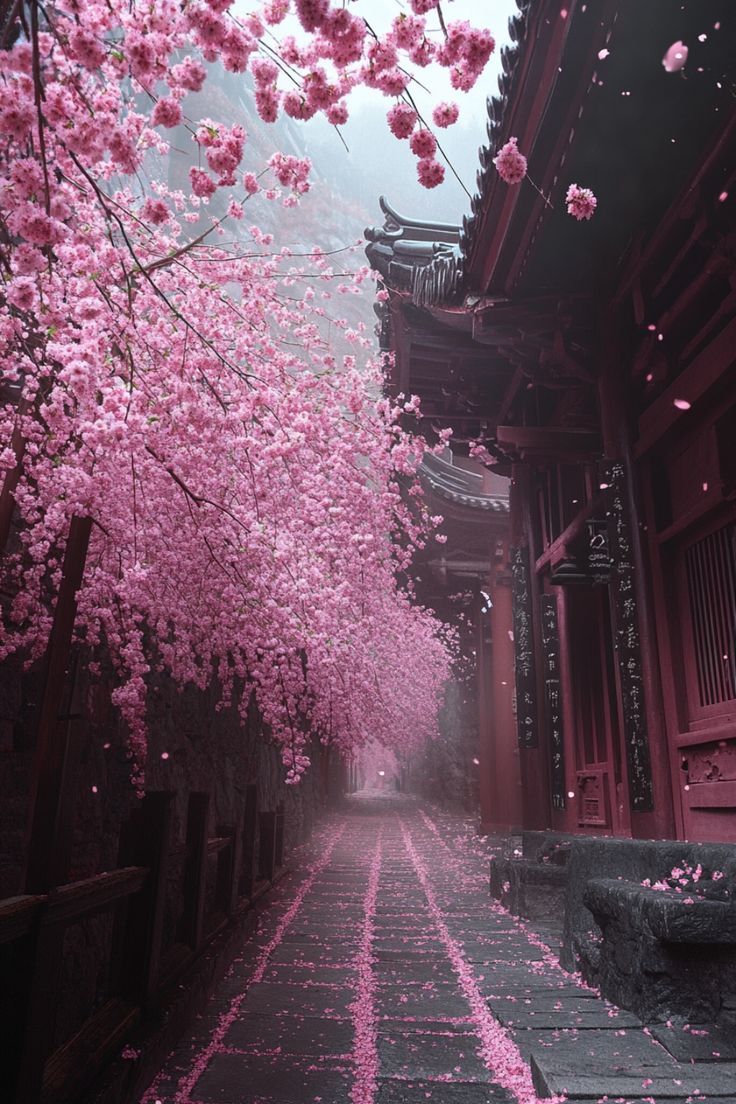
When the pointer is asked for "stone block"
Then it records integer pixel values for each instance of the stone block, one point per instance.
(670, 917)
(598, 1081)
(696, 1042)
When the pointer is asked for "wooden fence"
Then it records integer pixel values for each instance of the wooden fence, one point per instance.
(218, 877)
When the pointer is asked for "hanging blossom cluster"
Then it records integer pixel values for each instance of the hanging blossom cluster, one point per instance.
(511, 166)
(244, 486)
(465, 52)
(581, 203)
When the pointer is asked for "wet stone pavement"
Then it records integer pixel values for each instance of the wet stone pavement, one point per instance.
(382, 973)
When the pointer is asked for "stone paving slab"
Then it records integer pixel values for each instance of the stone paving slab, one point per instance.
(389, 1025)
(415, 1056)
(551, 1077)
(549, 1001)
(497, 952)
(442, 1000)
(231, 1080)
(396, 954)
(584, 1021)
(311, 1000)
(414, 973)
(305, 1035)
(578, 1047)
(295, 953)
(286, 974)
(696, 1043)
(432, 1092)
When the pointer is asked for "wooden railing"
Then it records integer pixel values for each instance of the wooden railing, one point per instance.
(221, 876)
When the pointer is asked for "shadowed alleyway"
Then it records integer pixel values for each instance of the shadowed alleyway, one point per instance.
(383, 973)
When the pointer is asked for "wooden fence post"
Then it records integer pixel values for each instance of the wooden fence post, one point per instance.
(228, 869)
(42, 1000)
(191, 926)
(267, 845)
(17, 958)
(250, 824)
(146, 841)
(49, 819)
(279, 841)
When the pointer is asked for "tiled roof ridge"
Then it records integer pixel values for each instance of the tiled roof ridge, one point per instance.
(454, 484)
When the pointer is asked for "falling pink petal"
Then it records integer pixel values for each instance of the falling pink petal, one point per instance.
(675, 58)
(682, 404)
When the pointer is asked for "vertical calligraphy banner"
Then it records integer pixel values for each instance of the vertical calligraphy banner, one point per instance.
(553, 697)
(525, 676)
(626, 637)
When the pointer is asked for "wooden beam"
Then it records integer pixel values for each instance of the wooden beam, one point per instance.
(18, 915)
(91, 895)
(549, 441)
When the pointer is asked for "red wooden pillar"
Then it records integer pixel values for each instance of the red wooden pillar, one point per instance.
(534, 759)
(498, 752)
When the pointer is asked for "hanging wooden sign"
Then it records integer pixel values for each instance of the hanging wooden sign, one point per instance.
(525, 670)
(626, 638)
(553, 698)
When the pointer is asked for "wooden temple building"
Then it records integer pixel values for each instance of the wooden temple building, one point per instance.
(468, 582)
(596, 362)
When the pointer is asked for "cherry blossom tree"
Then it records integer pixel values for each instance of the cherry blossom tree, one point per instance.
(166, 375)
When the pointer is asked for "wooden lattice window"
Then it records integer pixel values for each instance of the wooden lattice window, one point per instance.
(711, 578)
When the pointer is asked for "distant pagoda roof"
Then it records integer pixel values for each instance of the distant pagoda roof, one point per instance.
(459, 485)
(421, 258)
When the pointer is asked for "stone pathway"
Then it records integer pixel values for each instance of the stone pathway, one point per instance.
(382, 973)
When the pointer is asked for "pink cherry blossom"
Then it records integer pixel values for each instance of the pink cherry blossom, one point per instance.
(401, 120)
(312, 13)
(423, 143)
(510, 163)
(430, 172)
(445, 114)
(167, 112)
(581, 203)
